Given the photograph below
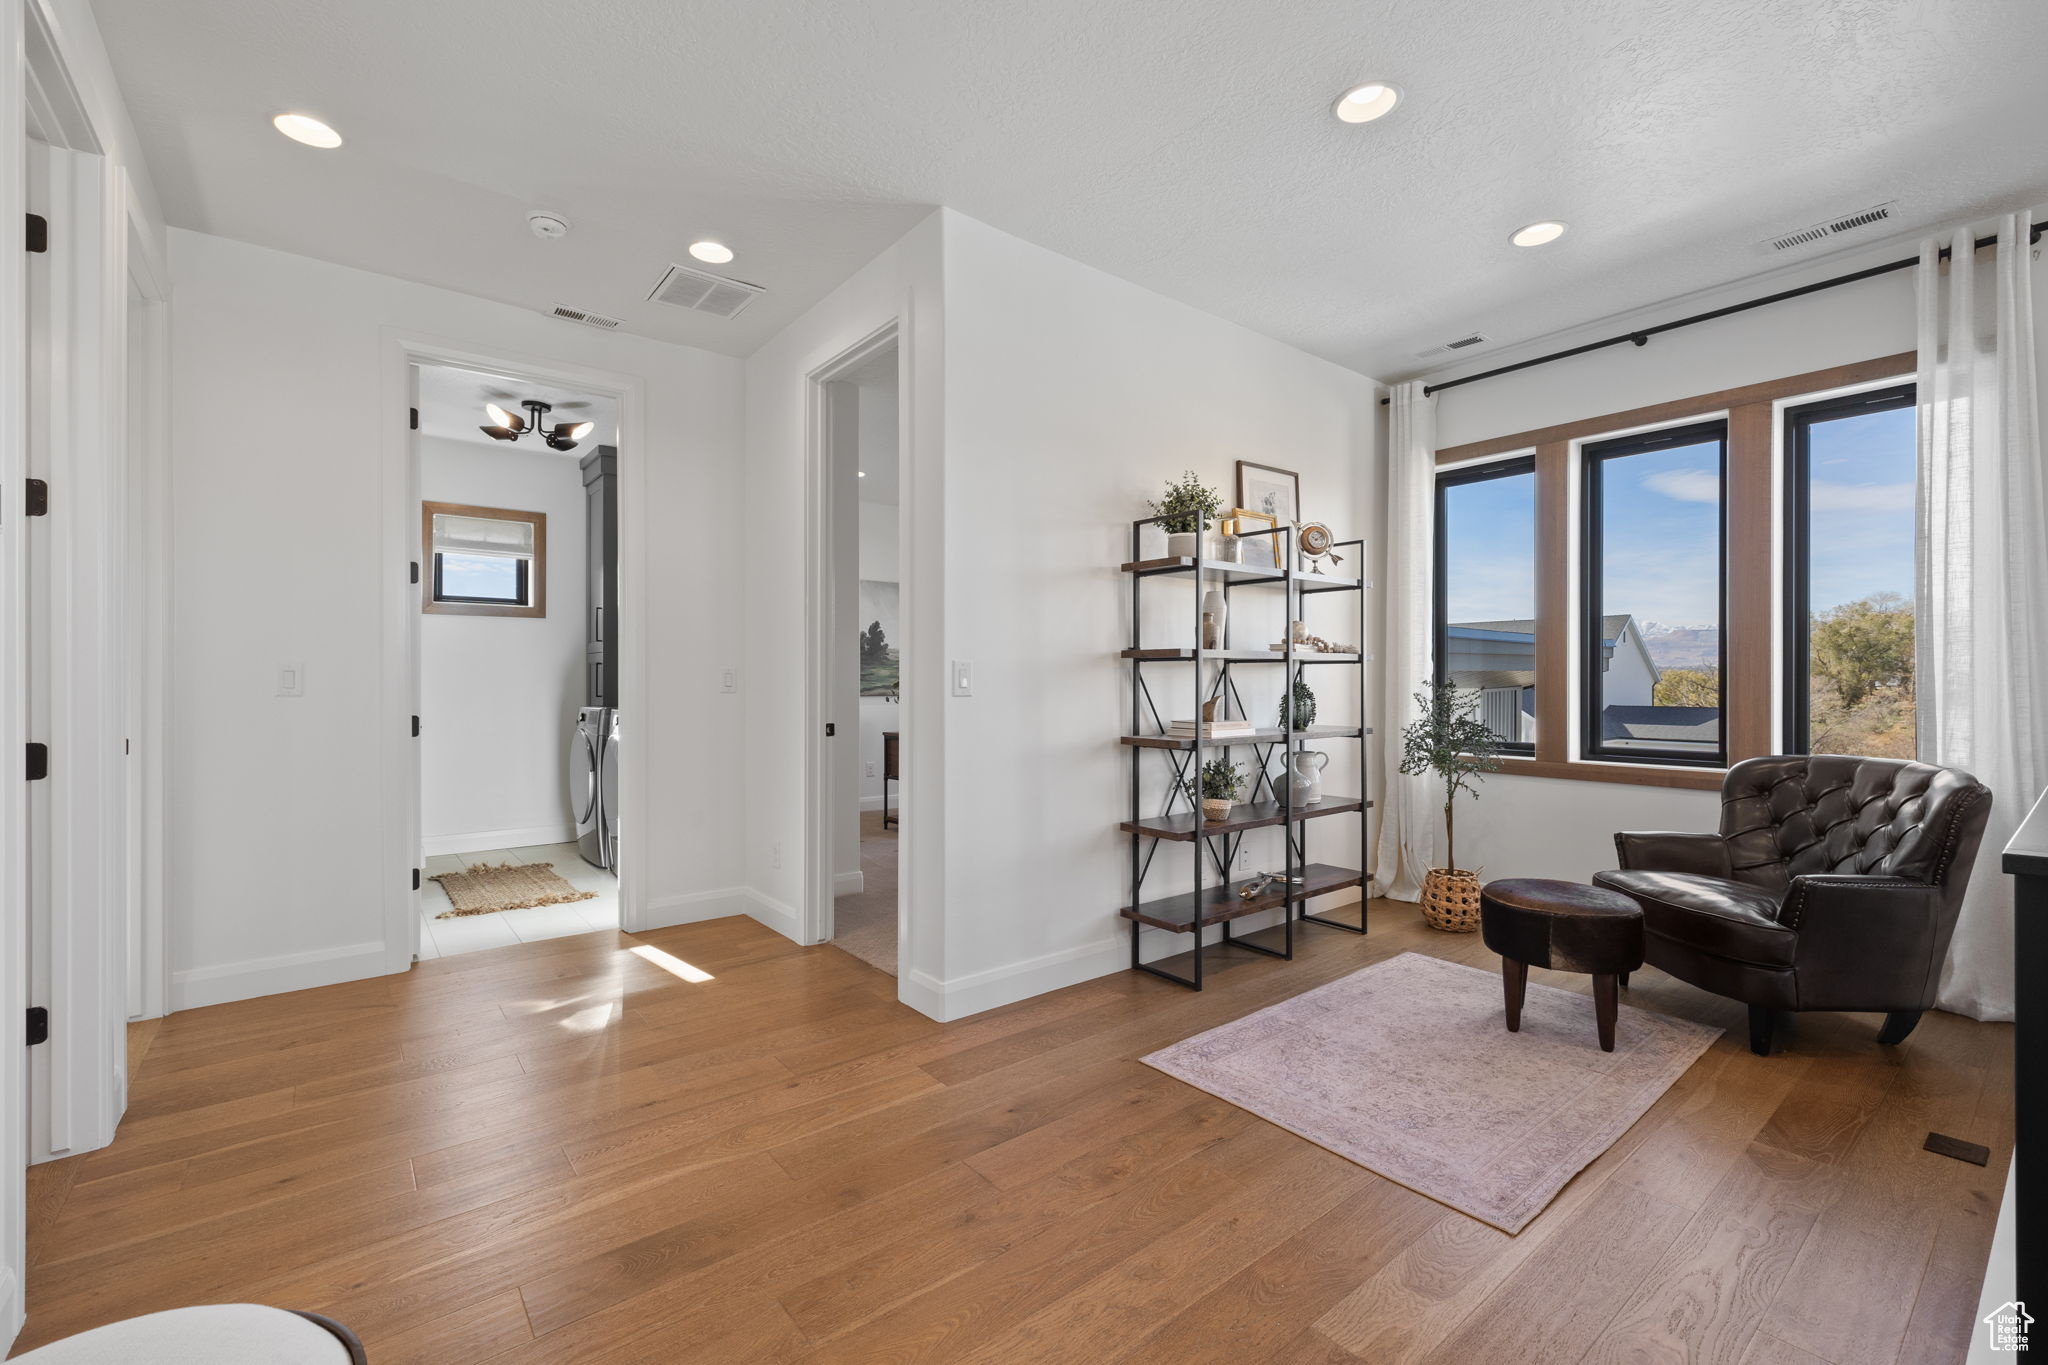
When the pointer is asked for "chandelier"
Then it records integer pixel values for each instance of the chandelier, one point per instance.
(509, 426)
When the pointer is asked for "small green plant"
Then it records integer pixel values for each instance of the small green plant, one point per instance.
(1303, 711)
(1188, 506)
(1447, 739)
(1222, 780)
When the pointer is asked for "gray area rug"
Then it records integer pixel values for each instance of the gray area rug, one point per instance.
(1407, 1068)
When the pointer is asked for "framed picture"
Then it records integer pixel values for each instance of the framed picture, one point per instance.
(1271, 492)
(880, 662)
(1261, 550)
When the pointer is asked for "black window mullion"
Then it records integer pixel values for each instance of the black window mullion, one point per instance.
(1440, 598)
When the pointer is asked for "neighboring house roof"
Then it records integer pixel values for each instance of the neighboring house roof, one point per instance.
(1494, 677)
(1664, 724)
(1610, 626)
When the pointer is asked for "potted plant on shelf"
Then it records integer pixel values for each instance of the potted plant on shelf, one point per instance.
(1221, 783)
(1187, 509)
(1448, 740)
(1302, 712)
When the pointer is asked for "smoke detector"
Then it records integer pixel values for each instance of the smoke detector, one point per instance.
(704, 292)
(1831, 228)
(547, 226)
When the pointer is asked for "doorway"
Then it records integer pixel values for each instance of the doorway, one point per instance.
(866, 791)
(519, 729)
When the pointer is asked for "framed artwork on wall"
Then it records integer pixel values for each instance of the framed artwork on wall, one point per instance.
(1271, 492)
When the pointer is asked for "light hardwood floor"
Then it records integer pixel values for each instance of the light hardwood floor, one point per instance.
(559, 1152)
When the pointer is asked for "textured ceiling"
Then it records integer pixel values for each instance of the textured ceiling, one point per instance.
(1182, 144)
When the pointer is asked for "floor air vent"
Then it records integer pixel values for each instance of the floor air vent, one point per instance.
(588, 319)
(1833, 227)
(714, 294)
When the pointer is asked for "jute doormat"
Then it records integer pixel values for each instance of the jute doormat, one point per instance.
(485, 890)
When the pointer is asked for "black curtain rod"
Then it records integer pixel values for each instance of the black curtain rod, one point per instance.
(1641, 336)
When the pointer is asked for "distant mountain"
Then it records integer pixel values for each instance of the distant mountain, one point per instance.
(1682, 646)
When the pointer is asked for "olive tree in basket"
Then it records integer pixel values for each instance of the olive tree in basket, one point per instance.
(1447, 739)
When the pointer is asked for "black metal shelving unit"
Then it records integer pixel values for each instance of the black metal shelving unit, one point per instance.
(1214, 844)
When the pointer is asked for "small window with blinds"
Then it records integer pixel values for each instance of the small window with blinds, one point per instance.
(484, 561)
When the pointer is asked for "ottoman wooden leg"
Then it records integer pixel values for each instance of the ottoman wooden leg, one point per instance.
(1604, 1010)
(1514, 978)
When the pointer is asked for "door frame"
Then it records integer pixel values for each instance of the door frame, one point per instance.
(401, 661)
(822, 639)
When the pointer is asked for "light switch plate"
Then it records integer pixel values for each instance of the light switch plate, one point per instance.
(729, 681)
(963, 678)
(291, 680)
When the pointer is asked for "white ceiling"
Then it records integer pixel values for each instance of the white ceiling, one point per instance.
(452, 406)
(1182, 144)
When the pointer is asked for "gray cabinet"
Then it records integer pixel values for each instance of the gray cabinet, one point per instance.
(601, 590)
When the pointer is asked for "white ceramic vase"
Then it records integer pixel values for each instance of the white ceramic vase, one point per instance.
(1215, 613)
(1181, 544)
(1305, 778)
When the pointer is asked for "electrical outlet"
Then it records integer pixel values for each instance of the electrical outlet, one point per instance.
(775, 854)
(291, 680)
(871, 770)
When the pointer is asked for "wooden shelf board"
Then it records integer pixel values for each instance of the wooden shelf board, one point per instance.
(1246, 573)
(1257, 815)
(1237, 656)
(1273, 736)
(1220, 903)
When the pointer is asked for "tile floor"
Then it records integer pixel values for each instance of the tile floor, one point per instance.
(446, 937)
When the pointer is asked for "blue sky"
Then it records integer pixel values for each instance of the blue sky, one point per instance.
(1662, 524)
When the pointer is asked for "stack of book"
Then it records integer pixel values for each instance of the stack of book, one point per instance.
(1212, 729)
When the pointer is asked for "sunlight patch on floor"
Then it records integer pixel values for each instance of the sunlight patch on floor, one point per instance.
(672, 964)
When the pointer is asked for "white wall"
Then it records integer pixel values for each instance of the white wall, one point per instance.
(1071, 397)
(903, 287)
(279, 500)
(499, 694)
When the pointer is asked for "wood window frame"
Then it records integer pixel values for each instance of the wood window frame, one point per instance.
(1749, 691)
(1512, 467)
(536, 569)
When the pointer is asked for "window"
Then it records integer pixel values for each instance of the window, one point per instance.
(1486, 593)
(1850, 470)
(1654, 581)
(484, 561)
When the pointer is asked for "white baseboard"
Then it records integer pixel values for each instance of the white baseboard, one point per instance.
(485, 840)
(783, 919)
(663, 912)
(848, 884)
(227, 981)
(960, 996)
(875, 802)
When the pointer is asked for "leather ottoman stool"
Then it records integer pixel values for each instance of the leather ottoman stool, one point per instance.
(1564, 927)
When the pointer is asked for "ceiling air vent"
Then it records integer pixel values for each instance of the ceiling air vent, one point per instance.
(1453, 347)
(1833, 227)
(706, 293)
(588, 319)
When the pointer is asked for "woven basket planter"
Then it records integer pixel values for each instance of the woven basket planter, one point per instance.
(1450, 900)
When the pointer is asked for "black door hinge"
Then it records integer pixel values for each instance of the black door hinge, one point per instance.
(415, 879)
(415, 571)
(415, 727)
(36, 501)
(38, 1025)
(415, 419)
(38, 234)
(38, 762)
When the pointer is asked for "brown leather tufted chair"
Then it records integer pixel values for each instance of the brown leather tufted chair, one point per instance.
(1834, 884)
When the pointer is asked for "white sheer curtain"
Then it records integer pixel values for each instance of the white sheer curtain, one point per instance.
(1982, 630)
(1409, 805)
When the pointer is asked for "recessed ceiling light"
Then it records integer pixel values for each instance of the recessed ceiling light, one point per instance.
(1364, 103)
(862, 472)
(307, 129)
(1536, 234)
(717, 253)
